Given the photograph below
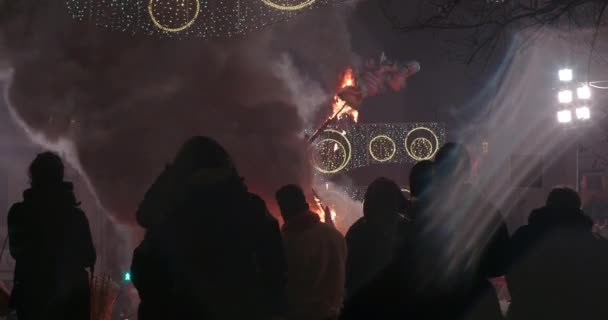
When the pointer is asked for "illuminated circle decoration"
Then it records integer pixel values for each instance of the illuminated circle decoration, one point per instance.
(421, 148)
(328, 159)
(382, 148)
(302, 5)
(178, 3)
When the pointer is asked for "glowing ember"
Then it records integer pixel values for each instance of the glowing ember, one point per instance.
(348, 79)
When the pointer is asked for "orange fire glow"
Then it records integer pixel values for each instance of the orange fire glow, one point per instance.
(348, 79)
(318, 209)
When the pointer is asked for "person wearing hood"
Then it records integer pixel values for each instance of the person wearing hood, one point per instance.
(316, 257)
(211, 250)
(50, 240)
(374, 239)
(559, 266)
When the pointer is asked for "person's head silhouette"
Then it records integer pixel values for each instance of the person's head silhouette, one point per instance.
(453, 161)
(46, 170)
(201, 152)
(421, 177)
(292, 201)
(563, 198)
(383, 199)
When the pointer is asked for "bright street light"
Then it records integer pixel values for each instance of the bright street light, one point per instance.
(564, 116)
(584, 92)
(564, 96)
(583, 113)
(565, 75)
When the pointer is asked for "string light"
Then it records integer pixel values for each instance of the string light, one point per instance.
(176, 8)
(421, 148)
(385, 148)
(299, 6)
(209, 19)
(373, 144)
(330, 156)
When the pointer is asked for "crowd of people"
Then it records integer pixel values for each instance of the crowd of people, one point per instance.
(212, 250)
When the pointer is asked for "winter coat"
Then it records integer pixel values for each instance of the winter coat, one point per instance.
(420, 282)
(316, 257)
(371, 248)
(51, 243)
(219, 254)
(559, 268)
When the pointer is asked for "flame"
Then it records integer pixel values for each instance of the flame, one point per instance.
(318, 210)
(348, 79)
(335, 147)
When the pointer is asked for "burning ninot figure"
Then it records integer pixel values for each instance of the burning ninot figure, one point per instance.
(376, 77)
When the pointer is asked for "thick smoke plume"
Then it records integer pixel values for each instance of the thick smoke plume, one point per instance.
(119, 106)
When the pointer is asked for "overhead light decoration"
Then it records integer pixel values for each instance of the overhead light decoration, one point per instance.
(210, 19)
(179, 15)
(341, 149)
(421, 147)
(333, 153)
(287, 7)
(382, 148)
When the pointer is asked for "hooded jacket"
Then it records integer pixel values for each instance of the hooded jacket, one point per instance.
(559, 267)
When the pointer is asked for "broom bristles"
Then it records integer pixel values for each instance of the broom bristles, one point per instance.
(104, 292)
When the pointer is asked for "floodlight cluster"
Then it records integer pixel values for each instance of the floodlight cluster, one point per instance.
(568, 102)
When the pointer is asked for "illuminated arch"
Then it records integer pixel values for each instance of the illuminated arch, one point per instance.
(408, 145)
(176, 29)
(294, 7)
(371, 151)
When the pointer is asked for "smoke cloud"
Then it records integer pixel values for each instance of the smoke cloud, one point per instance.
(119, 106)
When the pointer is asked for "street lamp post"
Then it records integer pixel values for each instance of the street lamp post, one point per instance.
(574, 99)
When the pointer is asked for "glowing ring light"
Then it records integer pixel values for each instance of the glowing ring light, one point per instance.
(432, 154)
(347, 154)
(295, 7)
(426, 143)
(371, 152)
(178, 29)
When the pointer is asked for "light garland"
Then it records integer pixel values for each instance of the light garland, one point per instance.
(382, 148)
(295, 7)
(327, 165)
(179, 3)
(364, 152)
(208, 19)
(419, 143)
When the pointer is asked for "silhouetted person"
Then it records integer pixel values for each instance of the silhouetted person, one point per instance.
(211, 250)
(559, 268)
(455, 243)
(51, 243)
(373, 239)
(316, 258)
(461, 241)
(421, 178)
